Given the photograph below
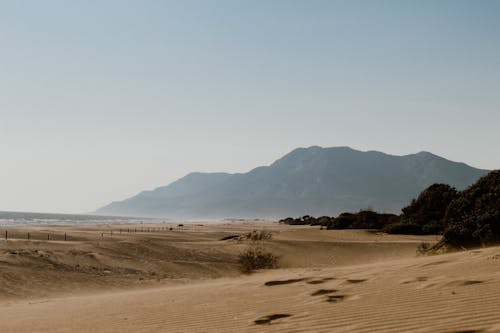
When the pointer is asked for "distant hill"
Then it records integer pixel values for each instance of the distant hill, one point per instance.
(316, 181)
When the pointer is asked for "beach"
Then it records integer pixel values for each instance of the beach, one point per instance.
(186, 279)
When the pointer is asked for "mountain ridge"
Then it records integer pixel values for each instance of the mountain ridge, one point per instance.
(313, 180)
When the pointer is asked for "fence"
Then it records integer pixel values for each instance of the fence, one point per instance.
(55, 236)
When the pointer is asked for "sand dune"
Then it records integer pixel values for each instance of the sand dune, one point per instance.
(332, 281)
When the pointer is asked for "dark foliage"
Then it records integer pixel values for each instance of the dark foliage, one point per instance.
(322, 221)
(365, 219)
(467, 219)
(473, 218)
(307, 220)
(288, 220)
(404, 229)
(343, 221)
(428, 210)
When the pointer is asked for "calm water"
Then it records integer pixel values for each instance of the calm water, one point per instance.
(20, 218)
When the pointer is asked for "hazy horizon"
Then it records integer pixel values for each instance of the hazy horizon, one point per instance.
(101, 100)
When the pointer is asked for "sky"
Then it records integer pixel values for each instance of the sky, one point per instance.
(100, 100)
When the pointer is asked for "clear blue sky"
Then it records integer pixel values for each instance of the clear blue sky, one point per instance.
(102, 99)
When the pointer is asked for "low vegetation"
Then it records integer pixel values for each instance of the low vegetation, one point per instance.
(259, 235)
(364, 219)
(306, 220)
(473, 218)
(254, 235)
(424, 248)
(425, 214)
(254, 258)
(470, 218)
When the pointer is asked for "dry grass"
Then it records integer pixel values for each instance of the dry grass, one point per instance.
(259, 235)
(255, 258)
(424, 248)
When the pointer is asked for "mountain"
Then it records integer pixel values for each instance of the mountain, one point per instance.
(314, 180)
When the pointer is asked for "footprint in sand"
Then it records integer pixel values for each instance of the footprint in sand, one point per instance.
(324, 292)
(470, 282)
(461, 283)
(435, 263)
(320, 281)
(269, 319)
(417, 279)
(335, 298)
(281, 282)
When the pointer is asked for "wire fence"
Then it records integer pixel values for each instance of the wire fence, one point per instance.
(16, 234)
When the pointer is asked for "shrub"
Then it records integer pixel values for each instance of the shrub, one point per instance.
(433, 228)
(365, 219)
(429, 208)
(343, 221)
(404, 229)
(304, 220)
(288, 220)
(256, 258)
(424, 248)
(322, 221)
(473, 218)
(259, 235)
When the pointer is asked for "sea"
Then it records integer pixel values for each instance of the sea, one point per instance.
(26, 219)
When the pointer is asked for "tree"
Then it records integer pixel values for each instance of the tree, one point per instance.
(427, 211)
(473, 218)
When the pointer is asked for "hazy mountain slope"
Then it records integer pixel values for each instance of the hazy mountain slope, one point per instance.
(311, 180)
(178, 196)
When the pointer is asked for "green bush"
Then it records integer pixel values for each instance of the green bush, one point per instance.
(304, 220)
(473, 218)
(365, 219)
(429, 208)
(433, 228)
(322, 221)
(343, 221)
(404, 229)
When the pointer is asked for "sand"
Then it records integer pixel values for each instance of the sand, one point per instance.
(187, 280)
